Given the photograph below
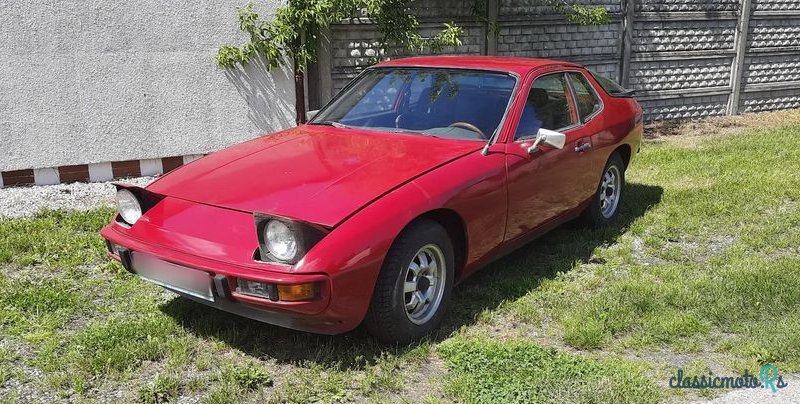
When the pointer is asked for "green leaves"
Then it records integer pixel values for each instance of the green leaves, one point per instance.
(293, 34)
(579, 14)
(263, 41)
(587, 15)
(248, 375)
(229, 56)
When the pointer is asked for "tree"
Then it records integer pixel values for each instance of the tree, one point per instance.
(293, 35)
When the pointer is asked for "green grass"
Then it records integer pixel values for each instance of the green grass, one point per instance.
(717, 257)
(33, 307)
(701, 272)
(520, 371)
(116, 345)
(165, 388)
(246, 375)
(56, 240)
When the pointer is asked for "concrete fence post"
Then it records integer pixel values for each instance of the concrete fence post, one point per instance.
(740, 45)
(628, 9)
(492, 11)
(325, 67)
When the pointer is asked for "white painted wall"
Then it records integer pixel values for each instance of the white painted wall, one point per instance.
(96, 81)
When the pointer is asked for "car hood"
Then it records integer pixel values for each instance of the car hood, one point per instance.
(317, 174)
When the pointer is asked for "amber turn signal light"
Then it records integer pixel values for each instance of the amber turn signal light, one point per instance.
(298, 292)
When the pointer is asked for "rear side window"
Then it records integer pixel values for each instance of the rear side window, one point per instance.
(611, 87)
(585, 97)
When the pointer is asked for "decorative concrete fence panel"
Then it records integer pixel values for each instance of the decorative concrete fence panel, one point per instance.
(686, 59)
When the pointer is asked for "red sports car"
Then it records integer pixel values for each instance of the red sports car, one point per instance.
(414, 176)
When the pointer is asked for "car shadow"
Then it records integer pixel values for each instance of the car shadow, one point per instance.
(507, 279)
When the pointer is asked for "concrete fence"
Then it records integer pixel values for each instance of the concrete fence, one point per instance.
(686, 58)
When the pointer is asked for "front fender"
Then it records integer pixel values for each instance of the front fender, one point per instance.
(352, 254)
(364, 238)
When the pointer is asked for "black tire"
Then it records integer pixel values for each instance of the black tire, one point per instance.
(387, 318)
(595, 215)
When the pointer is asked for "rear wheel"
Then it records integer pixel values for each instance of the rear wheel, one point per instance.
(605, 203)
(413, 289)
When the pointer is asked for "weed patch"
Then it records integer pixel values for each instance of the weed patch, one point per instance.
(485, 371)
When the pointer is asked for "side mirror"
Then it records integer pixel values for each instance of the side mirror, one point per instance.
(311, 114)
(548, 138)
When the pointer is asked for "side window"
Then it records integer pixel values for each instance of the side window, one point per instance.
(609, 85)
(585, 97)
(546, 107)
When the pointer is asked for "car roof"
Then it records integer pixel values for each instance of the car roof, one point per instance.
(517, 65)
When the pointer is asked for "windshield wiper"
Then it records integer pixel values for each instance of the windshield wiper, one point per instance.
(425, 134)
(408, 131)
(330, 123)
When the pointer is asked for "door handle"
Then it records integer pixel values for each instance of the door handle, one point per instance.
(584, 147)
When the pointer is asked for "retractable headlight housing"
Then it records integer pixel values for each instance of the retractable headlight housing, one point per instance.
(283, 240)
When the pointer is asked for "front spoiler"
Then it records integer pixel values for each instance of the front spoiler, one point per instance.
(312, 316)
(281, 319)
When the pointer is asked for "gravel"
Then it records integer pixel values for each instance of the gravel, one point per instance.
(16, 202)
(788, 395)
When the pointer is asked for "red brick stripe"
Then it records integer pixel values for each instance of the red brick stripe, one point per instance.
(18, 177)
(77, 173)
(80, 172)
(171, 163)
(129, 168)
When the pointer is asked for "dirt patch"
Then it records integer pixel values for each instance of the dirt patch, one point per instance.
(710, 126)
(721, 126)
(673, 360)
(30, 273)
(427, 383)
(641, 256)
(24, 385)
(700, 251)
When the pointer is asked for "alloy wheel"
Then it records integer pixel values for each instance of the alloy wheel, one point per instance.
(610, 189)
(423, 287)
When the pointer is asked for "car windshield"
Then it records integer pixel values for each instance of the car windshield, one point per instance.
(451, 103)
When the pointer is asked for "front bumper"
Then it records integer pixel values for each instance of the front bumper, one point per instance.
(316, 315)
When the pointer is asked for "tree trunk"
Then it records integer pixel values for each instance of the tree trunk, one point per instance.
(299, 95)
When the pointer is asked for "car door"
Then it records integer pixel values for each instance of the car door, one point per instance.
(546, 183)
(593, 126)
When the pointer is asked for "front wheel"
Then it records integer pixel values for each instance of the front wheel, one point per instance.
(413, 289)
(605, 204)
